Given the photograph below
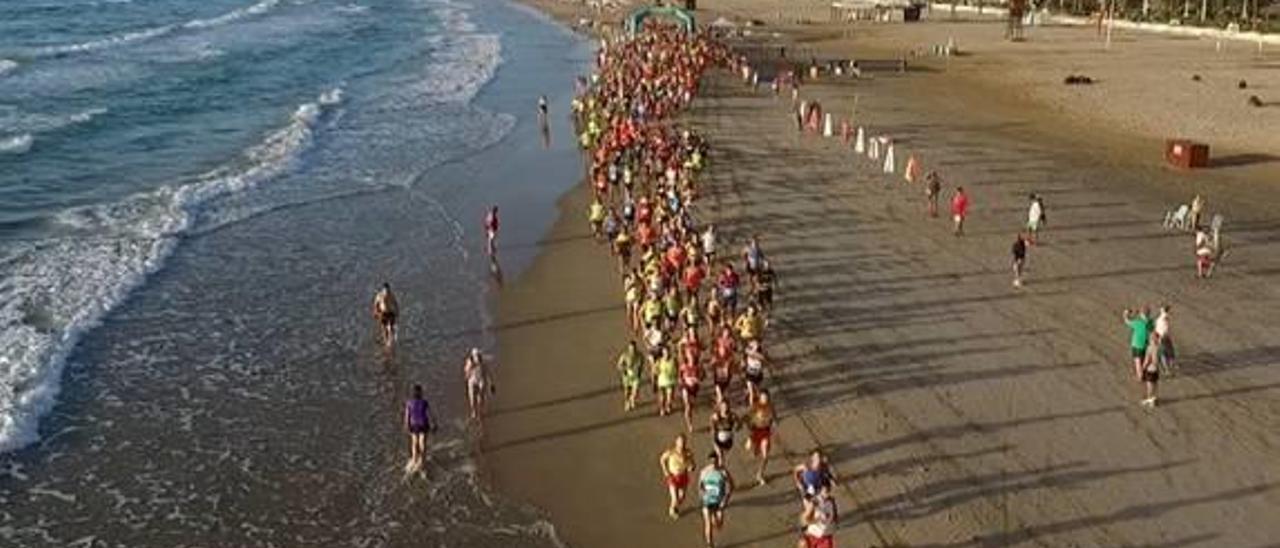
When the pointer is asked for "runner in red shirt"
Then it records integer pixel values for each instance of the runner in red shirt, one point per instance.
(959, 209)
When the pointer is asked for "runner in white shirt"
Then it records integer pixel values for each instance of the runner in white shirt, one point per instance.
(819, 519)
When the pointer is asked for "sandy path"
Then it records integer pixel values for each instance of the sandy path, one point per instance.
(969, 413)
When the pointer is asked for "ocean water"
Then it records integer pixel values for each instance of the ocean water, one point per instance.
(197, 201)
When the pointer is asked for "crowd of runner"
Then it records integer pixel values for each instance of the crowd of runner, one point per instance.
(693, 312)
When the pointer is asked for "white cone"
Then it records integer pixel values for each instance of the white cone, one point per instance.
(860, 143)
(889, 164)
(827, 130)
(873, 151)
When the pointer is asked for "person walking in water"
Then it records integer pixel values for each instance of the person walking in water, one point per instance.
(417, 421)
(676, 462)
(475, 373)
(717, 487)
(542, 110)
(959, 210)
(491, 230)
(385, 312)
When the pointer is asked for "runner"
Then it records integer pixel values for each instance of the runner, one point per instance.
(709, 243)
(717, 489)
(690, 381)
(760, 420)
(959, 210)
(723, 363)
(764, 284)
(386, 311)
(692, 279)
(813, 475)
(750, 325)
(664, 378)
(595, 216)
(755, 361)
(1139, 329)
(629, 365)
(723, 423)
(728, 288)
(715, 312)
(753, 256)
(675, 463)
(476, 373)
(932, 188)
(417, 421)
(622, 248)
(1019, 252)
(491, 229)
(819, 518)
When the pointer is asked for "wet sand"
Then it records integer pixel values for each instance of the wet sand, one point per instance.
(958, 410)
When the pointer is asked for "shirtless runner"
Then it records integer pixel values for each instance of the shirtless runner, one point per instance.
(385, 311)
(760, 420)
(676, 462)
(475, 373)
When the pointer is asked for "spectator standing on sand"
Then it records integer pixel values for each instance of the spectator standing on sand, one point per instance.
(1139, 334)
(959, 210)
(1164, 333)
(1151, 370)
(1197, 211)
(932, 188)
(1035, 218)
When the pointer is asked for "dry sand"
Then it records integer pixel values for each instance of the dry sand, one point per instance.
(959, 411)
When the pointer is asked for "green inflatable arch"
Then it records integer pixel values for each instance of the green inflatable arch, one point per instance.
(680, 14)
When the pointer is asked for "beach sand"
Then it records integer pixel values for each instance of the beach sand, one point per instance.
(958, 410)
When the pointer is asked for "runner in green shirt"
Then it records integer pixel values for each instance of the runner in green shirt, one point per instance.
(629, 363)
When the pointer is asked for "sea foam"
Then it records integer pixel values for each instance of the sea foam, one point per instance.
(53, 291)
(16, 144)
(141, 35)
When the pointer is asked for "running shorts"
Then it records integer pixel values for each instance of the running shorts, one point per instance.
(819, 542)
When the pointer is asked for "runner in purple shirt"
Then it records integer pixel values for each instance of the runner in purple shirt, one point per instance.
(417, 420)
